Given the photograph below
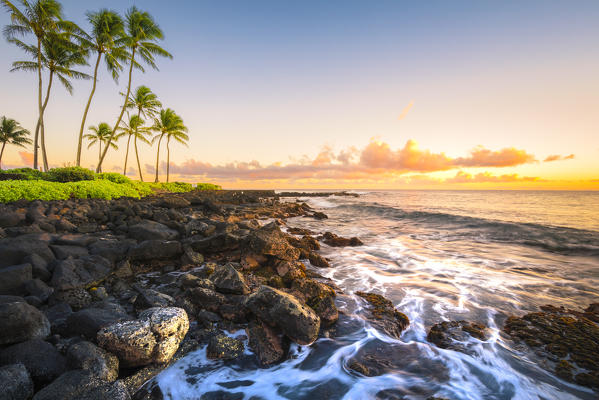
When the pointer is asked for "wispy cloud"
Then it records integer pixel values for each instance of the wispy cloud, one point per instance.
(557, 157)
(26, 158)
(483, 177)
(406, 110)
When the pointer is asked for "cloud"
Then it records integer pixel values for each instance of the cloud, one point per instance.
(406, 110)
(26, 158)
(557, 157)
(377, 160)
(507, 157)
(464, 177)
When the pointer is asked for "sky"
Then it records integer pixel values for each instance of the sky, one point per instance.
(351, 94)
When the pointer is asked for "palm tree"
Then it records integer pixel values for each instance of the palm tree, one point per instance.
(146, 104)
(168, 124)
(12, 133)
(39, 18)
(105, 38)
(59, 54)
(178, 136)
(141, 35)
(101, 134)
(136, 130)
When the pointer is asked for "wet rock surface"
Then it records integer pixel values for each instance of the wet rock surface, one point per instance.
(382, 314)
(454, 334)
(567, 339)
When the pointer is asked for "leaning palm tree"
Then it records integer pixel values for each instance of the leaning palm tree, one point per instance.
(168, 124)
(100, 134)
(146, 104)
(178, 136)
(105, 38)
(141, 35)
(39, 17)
(136, 130)
(12, 133)
(59, 55)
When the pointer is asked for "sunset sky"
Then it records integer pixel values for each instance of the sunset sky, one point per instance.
(352, 94)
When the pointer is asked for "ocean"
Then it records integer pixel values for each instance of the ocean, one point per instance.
(437, 255)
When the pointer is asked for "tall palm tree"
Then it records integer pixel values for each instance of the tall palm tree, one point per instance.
(142, 33)
(167, 124)
(101, 134)
(38, 17)
(105, 38)
(136, 130)
(12, 133)
(146, 103)
(59, 55)
(178, 136)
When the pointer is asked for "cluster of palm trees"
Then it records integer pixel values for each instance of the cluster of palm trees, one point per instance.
(60, 47)
(166, 123)
(12, 133)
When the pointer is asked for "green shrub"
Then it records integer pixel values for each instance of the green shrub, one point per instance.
(100, 189)
(69, 174)
(23, 173)
(113, 177)
(208, 186)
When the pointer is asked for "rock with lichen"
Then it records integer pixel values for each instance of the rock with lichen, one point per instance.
(454, 335)
(381, 313)
(565, 338)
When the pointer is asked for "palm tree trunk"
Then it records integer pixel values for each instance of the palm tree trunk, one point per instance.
(43, 134)
(89, 101)
(157, 158)
(168, 157)
(99, 154)
(118, 122)
(1, 153)
(39, 100)
(39, 121)
(126, 156)
(141, 177)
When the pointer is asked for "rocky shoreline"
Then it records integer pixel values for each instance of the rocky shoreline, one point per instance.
(97, 297)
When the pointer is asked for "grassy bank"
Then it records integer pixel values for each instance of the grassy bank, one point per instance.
(81, 183)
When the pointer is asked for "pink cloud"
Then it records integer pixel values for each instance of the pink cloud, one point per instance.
(464, 177)
(375, 161)
(26, 158)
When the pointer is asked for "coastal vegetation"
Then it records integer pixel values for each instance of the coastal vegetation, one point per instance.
(12, 133)
(76, 182)
(60, 48)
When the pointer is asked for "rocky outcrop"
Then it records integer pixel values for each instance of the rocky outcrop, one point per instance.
(228, 280)
(297, 321)
(14, 278)
(150, 230)
(89, 357)
(80, 273)
(267, 343)
(337, 241)
(155, 337)
(566, 339)
(455, 335)
(270, 241)
(381, 313)
(21, 322)
(155, 250)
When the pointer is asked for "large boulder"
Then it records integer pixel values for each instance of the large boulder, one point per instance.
(217, 243)
(89, 357)
(154, 337)
(299, 322)
(269, 345)
(206, 298)
(14, 250)
(78, 273)
(269, 240)
(148, 298)
(62, 252)
(72, 385)
(43, 362)
(14, 278)
(150, 230)
(21, 322)
(381, 313)
(15, 382)
(39, 289)
(337, 241)
(155, 249)
(111, 249)
(228, 280)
